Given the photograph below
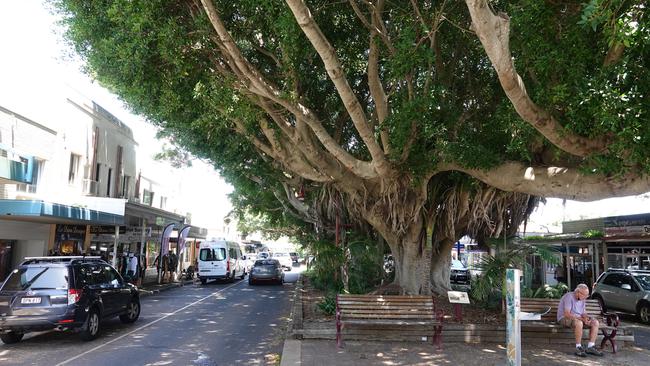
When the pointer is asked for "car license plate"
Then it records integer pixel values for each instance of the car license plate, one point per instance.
(30, 300)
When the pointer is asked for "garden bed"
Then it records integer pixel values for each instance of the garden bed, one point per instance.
(471, 314)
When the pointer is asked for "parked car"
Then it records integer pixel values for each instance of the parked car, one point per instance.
(459, 273)
(263, 255)
(64, 293)
(266, 270)
(389, 264)
(294, 257)
(284, 259)
(624, 290)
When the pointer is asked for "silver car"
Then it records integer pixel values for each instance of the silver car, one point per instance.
(624, 290)
(266, 270)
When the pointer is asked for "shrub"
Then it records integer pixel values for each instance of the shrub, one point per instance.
(328, 305)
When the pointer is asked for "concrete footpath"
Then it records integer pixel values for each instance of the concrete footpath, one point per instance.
(359, 353)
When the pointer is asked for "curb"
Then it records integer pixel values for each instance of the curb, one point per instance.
(291, 353)
(291, 350)
(145, 292)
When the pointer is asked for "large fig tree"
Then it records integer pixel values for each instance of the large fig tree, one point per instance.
(430, 119)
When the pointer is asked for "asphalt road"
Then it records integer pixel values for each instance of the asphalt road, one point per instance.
(213, 325)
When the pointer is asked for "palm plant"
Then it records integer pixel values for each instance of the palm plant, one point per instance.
(511, 253)
(328, 260)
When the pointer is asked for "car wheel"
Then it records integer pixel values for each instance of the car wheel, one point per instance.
(11, 337)
(601, 302)
(644, 313)
(203, 281)
(90, 329)
(132, 312)
(243, 274)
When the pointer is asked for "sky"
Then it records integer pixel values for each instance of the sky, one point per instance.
(37, 70)
(35, 63)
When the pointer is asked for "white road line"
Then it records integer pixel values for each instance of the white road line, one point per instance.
(148, 324)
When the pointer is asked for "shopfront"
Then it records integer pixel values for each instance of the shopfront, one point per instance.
(39, 228)
(628, 241)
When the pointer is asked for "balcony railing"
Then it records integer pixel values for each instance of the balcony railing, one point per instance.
(26, 188)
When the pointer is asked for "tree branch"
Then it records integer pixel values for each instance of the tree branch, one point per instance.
(376, 19)
(374, 82)
(258, 85)
(337, 75)
(494, 33)
(560, 182)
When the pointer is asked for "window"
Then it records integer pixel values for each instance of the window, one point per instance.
(616, 279)
(644, 280)
(110, 276)
(147, 197)
(108, 182)
(125, 186)
(98, 169)
(88, 275)
(38, 171)
(37, 278)
(73, 172)
(206, 254)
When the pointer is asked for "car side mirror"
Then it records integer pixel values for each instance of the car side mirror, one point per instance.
(626, 286)
(243, 257)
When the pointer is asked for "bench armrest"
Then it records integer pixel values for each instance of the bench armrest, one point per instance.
(611, 319)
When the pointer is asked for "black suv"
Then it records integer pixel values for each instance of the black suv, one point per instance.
(64, 293)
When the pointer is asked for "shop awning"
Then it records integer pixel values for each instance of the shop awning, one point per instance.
(55, 213)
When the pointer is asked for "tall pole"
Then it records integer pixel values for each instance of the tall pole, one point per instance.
(116, 241)
(513, 324)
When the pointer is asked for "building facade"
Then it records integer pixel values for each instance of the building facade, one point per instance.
(75, 188)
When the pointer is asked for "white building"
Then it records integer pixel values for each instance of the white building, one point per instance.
(71, 185)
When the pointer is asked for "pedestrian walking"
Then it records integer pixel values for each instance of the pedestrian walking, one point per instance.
(132, 268)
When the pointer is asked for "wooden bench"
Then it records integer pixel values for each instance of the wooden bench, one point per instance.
(608, 322)
(393, 312)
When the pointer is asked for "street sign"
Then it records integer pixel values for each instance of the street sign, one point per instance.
(458, 297)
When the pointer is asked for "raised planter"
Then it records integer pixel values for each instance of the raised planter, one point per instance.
(306, 328)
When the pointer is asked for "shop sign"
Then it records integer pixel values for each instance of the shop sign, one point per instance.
(106, 229)
(627, 230)
(68, 239)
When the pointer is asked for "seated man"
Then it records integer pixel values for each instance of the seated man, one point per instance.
(571, 314)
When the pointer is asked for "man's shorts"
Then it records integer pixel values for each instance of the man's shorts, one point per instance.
(566, 322)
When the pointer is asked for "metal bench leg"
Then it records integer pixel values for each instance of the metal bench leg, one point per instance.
(437, 336)
(609, 337)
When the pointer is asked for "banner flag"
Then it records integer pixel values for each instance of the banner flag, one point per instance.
(182, 235)
(164, 240)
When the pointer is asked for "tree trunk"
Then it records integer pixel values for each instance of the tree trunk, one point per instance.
(419, 269)
(441, 271)
(412, 268)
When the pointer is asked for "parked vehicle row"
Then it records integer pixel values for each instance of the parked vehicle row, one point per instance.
(64, 293)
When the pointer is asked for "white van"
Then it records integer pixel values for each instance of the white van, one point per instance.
(220, 259)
